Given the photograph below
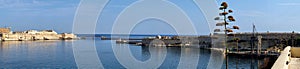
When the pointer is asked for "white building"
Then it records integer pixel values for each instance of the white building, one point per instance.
(48, 32)
(32, 32)
(36, 35)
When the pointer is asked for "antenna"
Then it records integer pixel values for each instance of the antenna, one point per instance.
(253, 29)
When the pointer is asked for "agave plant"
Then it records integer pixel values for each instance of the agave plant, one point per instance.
(226, 18)
(225, 21)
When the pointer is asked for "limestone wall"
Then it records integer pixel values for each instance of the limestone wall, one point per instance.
(24, 36)
(283, 60)
(4, 30)
(295, 51)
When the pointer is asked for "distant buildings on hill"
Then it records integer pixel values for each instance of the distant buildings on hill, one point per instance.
(7, 35)
(5, 30)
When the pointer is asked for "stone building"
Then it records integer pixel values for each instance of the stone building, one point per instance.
(68, 36)
(4, 30)
(34, 35)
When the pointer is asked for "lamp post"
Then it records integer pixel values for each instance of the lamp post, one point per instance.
(225, 21)
(237, 43)
(293, 37)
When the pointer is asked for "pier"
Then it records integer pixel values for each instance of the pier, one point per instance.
(169, 41)
(263, 47)
(268, 40)
(288, 59)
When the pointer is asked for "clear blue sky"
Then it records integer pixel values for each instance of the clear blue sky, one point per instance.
(272, 15)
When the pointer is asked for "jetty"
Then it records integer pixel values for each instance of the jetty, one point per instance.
(8, 35)
(169, 41)
(264, 46)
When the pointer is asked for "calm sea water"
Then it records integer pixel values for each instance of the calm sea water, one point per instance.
(59, 54)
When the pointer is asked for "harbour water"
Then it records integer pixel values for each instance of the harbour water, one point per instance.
(59, 54)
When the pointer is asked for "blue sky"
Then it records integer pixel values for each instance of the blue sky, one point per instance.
(267, 15)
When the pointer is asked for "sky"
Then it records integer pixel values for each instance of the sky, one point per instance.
(58, 15)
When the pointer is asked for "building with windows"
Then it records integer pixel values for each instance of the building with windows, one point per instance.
(7, 35)
(5, 30)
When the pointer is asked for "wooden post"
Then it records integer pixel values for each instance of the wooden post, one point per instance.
(259, 45)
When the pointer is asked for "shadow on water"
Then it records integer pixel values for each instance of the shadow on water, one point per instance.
(205, 58)
(238, 62)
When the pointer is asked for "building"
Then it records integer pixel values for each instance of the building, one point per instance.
(47, 32)
(4, 30)
(31, 32)
(6, 35)
(68, 36)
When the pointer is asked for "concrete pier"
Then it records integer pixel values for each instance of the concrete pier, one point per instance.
(288, 59)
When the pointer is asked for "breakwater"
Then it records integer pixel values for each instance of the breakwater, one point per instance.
(271, 41)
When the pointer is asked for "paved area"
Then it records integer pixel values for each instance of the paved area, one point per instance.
(294, 63)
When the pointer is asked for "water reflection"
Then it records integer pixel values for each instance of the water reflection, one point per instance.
(36, 54)
(211, 59)
(59, 54)
(180, 56)
(216, 59)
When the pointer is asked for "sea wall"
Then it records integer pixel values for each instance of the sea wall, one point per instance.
(283, 60)
(24, 37)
